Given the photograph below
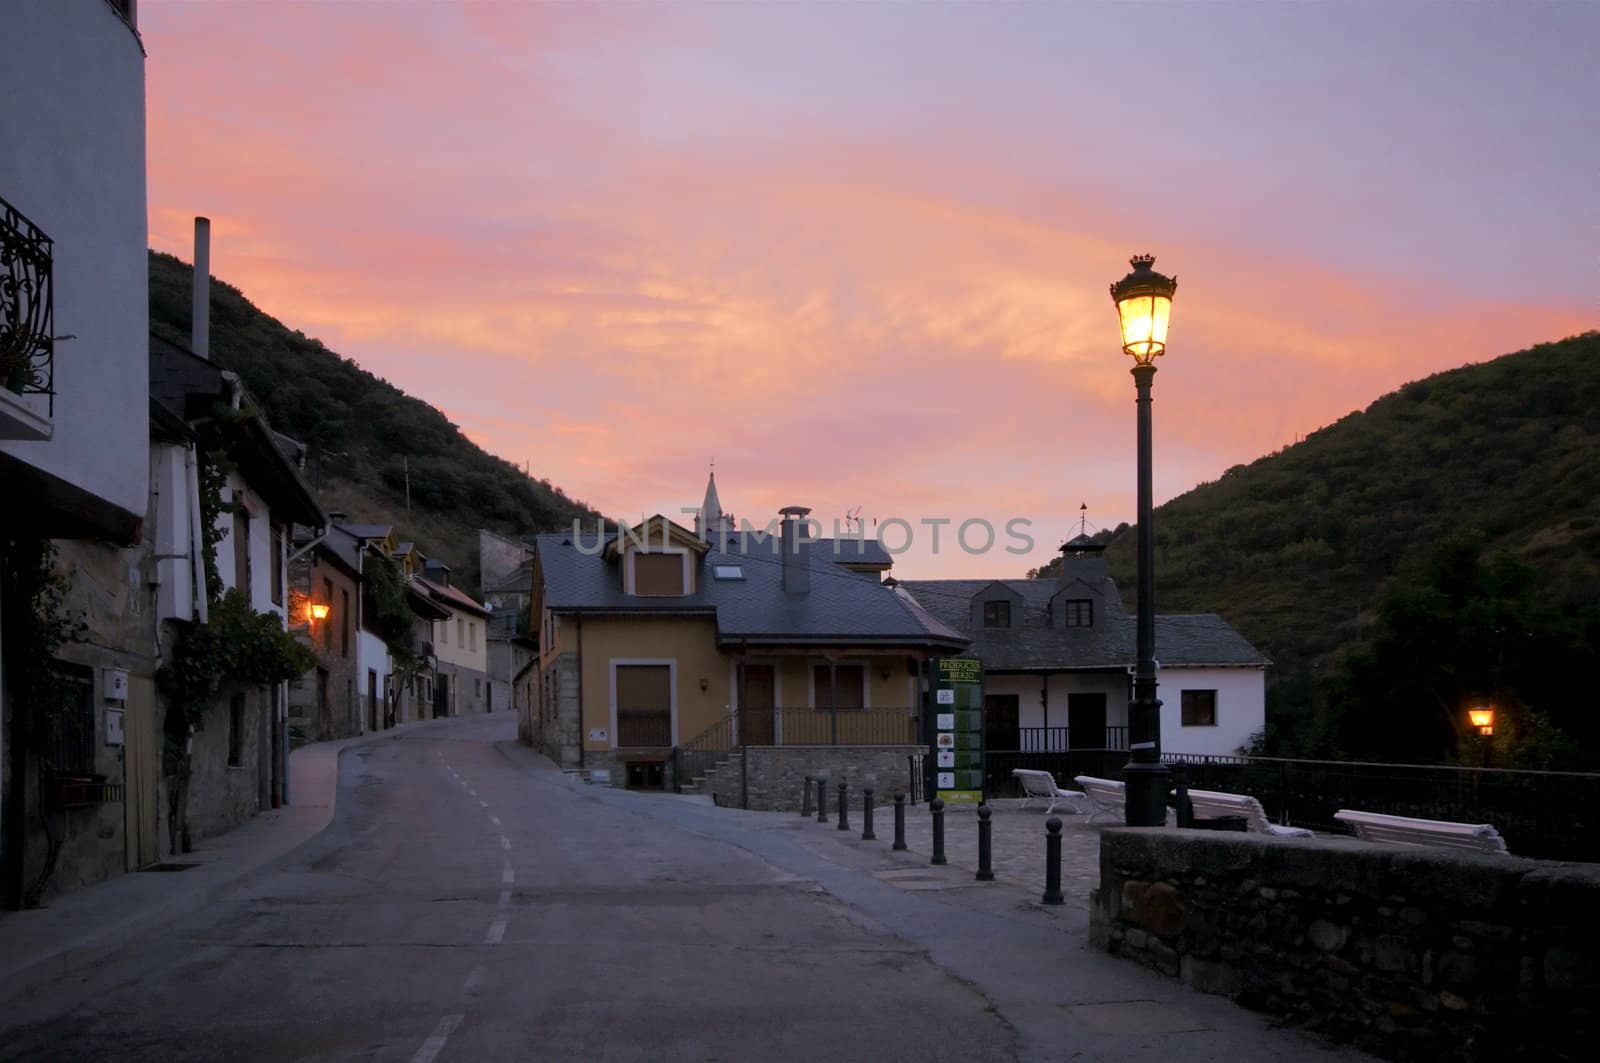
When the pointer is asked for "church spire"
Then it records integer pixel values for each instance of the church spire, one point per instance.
(710, 515)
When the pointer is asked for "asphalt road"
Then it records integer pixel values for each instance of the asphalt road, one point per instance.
(469, 902)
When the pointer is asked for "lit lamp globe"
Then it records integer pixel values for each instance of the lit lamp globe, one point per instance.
(1144, 308)
(1483, 719)
(319, 610)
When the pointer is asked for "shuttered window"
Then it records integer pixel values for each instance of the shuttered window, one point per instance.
(657, 574)
(852, 686)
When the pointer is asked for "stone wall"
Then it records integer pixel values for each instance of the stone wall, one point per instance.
(1411, 953)
(561, 729)
(224, 795)
(777, 774)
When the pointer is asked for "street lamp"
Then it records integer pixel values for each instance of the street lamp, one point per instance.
(1144, 309)
(1482, 718)
(319, 610)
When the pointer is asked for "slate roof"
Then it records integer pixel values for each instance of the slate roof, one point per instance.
(448, 595)
(842, 607)
(343, 548)
(366, 531)
(1184, 640)
(518, 581)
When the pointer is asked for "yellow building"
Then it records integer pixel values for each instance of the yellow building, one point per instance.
(665, 653)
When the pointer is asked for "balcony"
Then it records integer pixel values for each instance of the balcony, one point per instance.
(27, 335)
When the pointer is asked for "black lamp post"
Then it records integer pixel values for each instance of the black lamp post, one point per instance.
(1144, 308)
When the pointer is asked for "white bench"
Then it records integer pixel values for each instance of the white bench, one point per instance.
(1041, 786)
(1105, 796)
(1439, 833)
(1209, 804)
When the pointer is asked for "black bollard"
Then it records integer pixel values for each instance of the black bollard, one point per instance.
(866, 816)
(1052, 862)
(822, 799)
(844, 806)
(937, 808)
(899, 822)
(1184, 806)
(805, 797)
(985, 849)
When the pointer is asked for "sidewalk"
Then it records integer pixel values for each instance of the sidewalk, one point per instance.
(85, 926)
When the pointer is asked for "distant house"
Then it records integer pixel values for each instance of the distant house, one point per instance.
(1058, 657)
(460, 643)
(663, 652)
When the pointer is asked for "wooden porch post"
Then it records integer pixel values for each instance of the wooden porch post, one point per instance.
(833, 697)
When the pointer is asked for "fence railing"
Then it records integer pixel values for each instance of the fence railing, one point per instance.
(842, 727)
(1060, 739)
(704, 751)
(1553, 815)
(644, 727)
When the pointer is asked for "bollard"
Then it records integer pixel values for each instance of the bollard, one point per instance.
(1184, 806)
(899, 822)
(822, 799)
(805, 797)
(844, 806)
(985, 850)
(1052, 862)
(937, 808)
(866, 816)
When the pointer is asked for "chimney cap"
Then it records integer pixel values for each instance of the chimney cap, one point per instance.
(794, 511)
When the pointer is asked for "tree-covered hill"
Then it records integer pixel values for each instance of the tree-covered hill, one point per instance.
(362, 432)
(1298, 549)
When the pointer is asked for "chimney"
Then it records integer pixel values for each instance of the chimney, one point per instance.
(796, 565)
(200, 321)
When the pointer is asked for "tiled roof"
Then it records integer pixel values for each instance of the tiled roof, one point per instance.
(448, 595)
(841, 607)
(367, 531)
(1186, 640)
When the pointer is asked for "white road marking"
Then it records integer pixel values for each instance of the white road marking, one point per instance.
(484, 803)
(505, 899)
(471, 791)
(493, 819)
(473, 979)
(505, 843)
(435, 1042)
(508, 876)
(497, 932)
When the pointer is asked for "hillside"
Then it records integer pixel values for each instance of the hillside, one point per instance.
(1296, 549)
(362, 432)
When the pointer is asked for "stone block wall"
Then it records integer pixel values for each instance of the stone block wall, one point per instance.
(560, 731)
(224, 795)
(777, 774)
(1413, 954)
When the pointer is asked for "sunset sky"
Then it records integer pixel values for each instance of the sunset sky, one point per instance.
(858, 253)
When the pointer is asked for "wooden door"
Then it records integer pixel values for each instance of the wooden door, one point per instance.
(1086, 721)
(141, 785)
(1001, 730)
(757, 700)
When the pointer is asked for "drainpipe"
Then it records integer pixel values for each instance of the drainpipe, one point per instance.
(581, 732)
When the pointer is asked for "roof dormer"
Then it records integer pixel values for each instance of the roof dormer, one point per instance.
(996, 606)
(657, 558)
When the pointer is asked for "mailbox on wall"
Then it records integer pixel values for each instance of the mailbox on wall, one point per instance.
(114, 685)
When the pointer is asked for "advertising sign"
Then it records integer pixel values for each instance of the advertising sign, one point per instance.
(958, 730)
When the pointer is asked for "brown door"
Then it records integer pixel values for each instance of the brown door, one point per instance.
(644, 706)
(756, 702)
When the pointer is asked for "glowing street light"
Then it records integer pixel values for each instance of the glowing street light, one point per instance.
(1482, 718)
(1144, 310)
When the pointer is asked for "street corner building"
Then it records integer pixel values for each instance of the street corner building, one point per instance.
(717, 661)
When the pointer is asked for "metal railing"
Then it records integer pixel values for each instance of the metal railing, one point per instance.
(650, 728)
(692, 759)
(843, 727)
(27, 328)
(1059, 740)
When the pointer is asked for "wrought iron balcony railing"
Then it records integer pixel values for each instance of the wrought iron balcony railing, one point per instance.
(27, 335)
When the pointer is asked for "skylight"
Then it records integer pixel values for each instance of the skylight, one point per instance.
(727, 572)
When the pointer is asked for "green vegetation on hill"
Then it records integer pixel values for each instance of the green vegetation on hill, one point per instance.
(362, 432)
(1306, 550)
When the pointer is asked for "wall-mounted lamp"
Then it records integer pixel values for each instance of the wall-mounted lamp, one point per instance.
(319, 610)
(1483, 719)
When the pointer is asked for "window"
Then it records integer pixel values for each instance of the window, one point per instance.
(996, 614)
(1199, 708)
(241, 548)
(852, 686)
(72, 730)
(477, 688)
(461, 632)
(1077, 612)
(657, 573)
(727, 572)
(344, 623)
(444, 632)
(644, 704)
(277, 564)
(236, 731)
(327, 628)
(472, 636)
